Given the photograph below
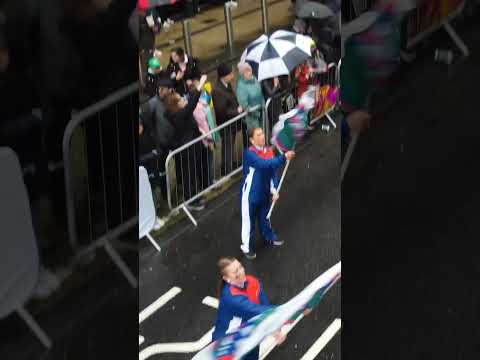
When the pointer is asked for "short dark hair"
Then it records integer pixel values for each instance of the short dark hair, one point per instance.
(171, 103)
(252, 130)
(180, 52)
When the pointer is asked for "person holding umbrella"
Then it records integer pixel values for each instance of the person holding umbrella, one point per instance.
(249, 93)
(259, 185)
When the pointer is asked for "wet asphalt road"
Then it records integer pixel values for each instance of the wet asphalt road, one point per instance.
(410, 216)
(307, 218)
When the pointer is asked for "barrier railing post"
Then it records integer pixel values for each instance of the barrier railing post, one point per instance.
(187, 36)
(197, 192)
(77, 120)
(229, 23)
(266, 120)
(264, 4)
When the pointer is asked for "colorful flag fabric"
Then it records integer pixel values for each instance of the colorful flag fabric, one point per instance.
(290, 128)
(326, 98)
(240, 342)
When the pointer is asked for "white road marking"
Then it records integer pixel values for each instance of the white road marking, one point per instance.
(157, 304)
(210, 301)
(141, 339)
(323, 340)
(186, 347)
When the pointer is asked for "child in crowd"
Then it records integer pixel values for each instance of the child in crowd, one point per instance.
(206, 122)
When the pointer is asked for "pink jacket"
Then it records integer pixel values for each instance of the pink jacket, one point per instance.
(200, 116)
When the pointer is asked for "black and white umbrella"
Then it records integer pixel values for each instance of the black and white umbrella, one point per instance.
(278, 54)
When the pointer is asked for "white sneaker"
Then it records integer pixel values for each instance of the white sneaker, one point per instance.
(159, 223)
(47, 284)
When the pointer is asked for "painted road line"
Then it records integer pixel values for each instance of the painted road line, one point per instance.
(323, 340)
(269, 343)
(186, 347)
(141, 340)
(348, 155)
(157, 304)
(210, 301)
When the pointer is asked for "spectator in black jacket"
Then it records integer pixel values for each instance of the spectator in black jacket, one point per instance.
(161, 131)
(226, 108)
(183, 69)
(194, 171)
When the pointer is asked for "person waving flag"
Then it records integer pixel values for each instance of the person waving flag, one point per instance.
(259, 185)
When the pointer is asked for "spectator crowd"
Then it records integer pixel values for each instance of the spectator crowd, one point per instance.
(183, 106)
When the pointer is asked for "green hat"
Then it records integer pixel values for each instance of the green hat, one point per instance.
(154, 63)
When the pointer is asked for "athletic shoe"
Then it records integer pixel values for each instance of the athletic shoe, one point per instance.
(250, 255)
(159, 223)
(47, 283)
(278, 243)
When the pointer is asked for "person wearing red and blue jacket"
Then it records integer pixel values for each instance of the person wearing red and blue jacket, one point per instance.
(259, 185)
(241, 297)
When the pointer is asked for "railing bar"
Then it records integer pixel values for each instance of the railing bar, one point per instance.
(119, 164)
(102, 164)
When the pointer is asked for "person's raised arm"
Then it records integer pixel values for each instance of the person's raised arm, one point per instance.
(193, 99)
(257, 162)
(241, 306)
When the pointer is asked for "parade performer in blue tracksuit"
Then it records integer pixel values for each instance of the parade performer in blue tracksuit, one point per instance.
(241, 297)
(259, 185)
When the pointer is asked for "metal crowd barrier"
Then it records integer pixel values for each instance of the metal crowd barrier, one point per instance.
(100, 159)
(197, 167)
(417, 26)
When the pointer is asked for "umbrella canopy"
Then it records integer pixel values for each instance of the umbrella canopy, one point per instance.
(278, 54)
(314, 10)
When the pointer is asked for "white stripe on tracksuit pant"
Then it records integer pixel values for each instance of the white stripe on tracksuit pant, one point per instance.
(251, 211)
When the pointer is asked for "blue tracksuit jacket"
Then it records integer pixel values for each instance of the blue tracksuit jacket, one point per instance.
(238, 305)
(260, 173)
(260, 180)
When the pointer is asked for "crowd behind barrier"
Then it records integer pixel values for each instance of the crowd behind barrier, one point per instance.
(186, 173)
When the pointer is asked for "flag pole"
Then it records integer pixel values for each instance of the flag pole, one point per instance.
(278, 190)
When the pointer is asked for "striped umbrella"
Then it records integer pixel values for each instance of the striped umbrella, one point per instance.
(278, 54)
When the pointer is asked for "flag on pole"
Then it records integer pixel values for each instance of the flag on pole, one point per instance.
(327, 96)
(235, 345)
(290, 128)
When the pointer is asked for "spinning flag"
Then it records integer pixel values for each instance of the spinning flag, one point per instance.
(235, 345)
(293, 125)
(289, 129)
(379, 45)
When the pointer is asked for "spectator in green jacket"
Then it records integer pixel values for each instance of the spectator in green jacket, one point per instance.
(249, 94)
